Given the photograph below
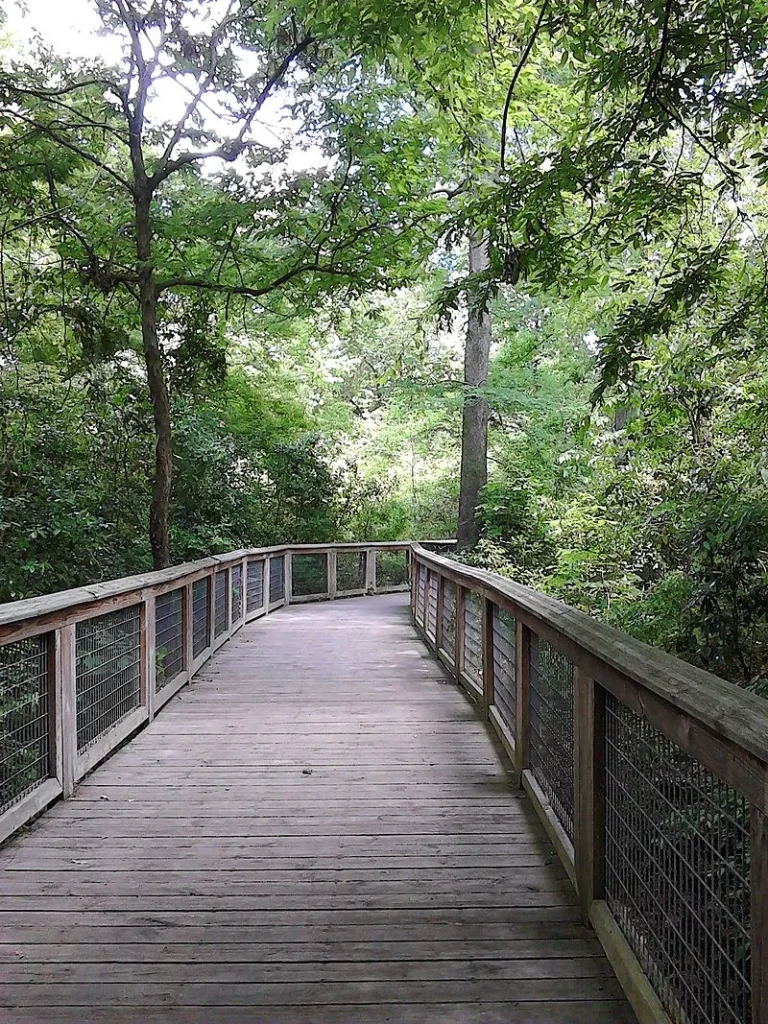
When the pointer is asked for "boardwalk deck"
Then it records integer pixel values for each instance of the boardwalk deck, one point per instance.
(319, 830)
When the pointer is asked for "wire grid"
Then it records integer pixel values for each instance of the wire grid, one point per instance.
(220, 604)
(505, 666)
(421, 583)
(472, 662)
(309, 575)
(350, 571)
(24, 718)
(552, 728)
(108, 672)
(201, 615)
(169, 637)
(391, 569)
(237, 592)
(431, 624)
(677, 871)
(255, 586)
(276, 579)
(448, 640)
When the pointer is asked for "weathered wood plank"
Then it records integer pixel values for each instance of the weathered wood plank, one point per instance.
(318, 829)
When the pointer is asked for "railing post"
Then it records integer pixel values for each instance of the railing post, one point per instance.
(212, 607)
(414, 570)
(66, 708)
(425, 601)
(148, 655)
(589, 790)
(759, 886)
(288, 577)
(439, 612)
(331, 556)
(266, 573)
(458, 653)
(486, 615)
(244, 589)
(523, 689)
(187, 628)
(370, 571)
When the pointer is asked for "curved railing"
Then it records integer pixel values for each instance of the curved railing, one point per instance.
(650, 775)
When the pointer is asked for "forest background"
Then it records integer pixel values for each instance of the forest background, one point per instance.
(313, 176)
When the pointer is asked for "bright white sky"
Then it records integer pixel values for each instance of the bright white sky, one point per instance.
(71, 28)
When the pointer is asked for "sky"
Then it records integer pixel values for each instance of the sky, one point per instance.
(71, 28)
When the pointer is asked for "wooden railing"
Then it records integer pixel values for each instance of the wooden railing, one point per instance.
(82, 670)
(651, 778)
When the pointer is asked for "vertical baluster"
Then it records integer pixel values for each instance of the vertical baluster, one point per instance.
(486, 615)
(148, 681)
(439, 612)
(458, 654)
(589, 790)
(66, 705)
(523, 715)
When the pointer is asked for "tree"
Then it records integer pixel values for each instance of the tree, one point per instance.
(474, 425)
(136, 219)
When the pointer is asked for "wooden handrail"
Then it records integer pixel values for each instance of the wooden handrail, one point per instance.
(695, 715)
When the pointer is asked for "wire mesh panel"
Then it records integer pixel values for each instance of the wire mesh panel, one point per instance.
(677, 871)
(391, 569)
(431, 623)
(309, 575)
(220, 604)
(276, 579)
(255, 586)
(350, 571)
(448, 639)
(421, 583)
(24, 718)
(473, 638)
(201, 615)
(108, 672)
(551, 749)
(504, 666)
(169, 637)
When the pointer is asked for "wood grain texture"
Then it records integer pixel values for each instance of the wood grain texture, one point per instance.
(319, 829)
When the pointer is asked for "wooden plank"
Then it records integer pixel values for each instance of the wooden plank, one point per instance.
(341, 834)
(589, 791)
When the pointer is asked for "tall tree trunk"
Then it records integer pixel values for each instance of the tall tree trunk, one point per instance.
(159, 509)
(474, 430)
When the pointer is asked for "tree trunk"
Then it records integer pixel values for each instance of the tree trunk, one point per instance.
(159, 509)
(474, 431)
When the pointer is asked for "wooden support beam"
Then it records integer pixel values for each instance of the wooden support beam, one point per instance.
(458, 654)
(66, 703)
(187, 628)
(332, 570)
(370, 571)
(148, 656)
(439, 612)
(486, 615)
(589, 791)
(288, 577)
(523, 710)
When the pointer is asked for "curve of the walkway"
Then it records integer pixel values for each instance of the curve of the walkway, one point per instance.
(319, 830)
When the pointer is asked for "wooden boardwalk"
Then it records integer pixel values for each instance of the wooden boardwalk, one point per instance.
(320, 830)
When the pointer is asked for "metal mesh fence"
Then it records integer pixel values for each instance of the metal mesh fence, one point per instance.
(350, 571)
(169, 637)
(24, 718)
(276, 579)
(504, 666)
(391, 569)
(309, 575)
(421, 583)
(677, 871)
(448, 639)
(473, 638)
(552, 728)
(255, 586)
(237, 592)
(431, 623)
(220, 604)
(108, 672)
(201, 615)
